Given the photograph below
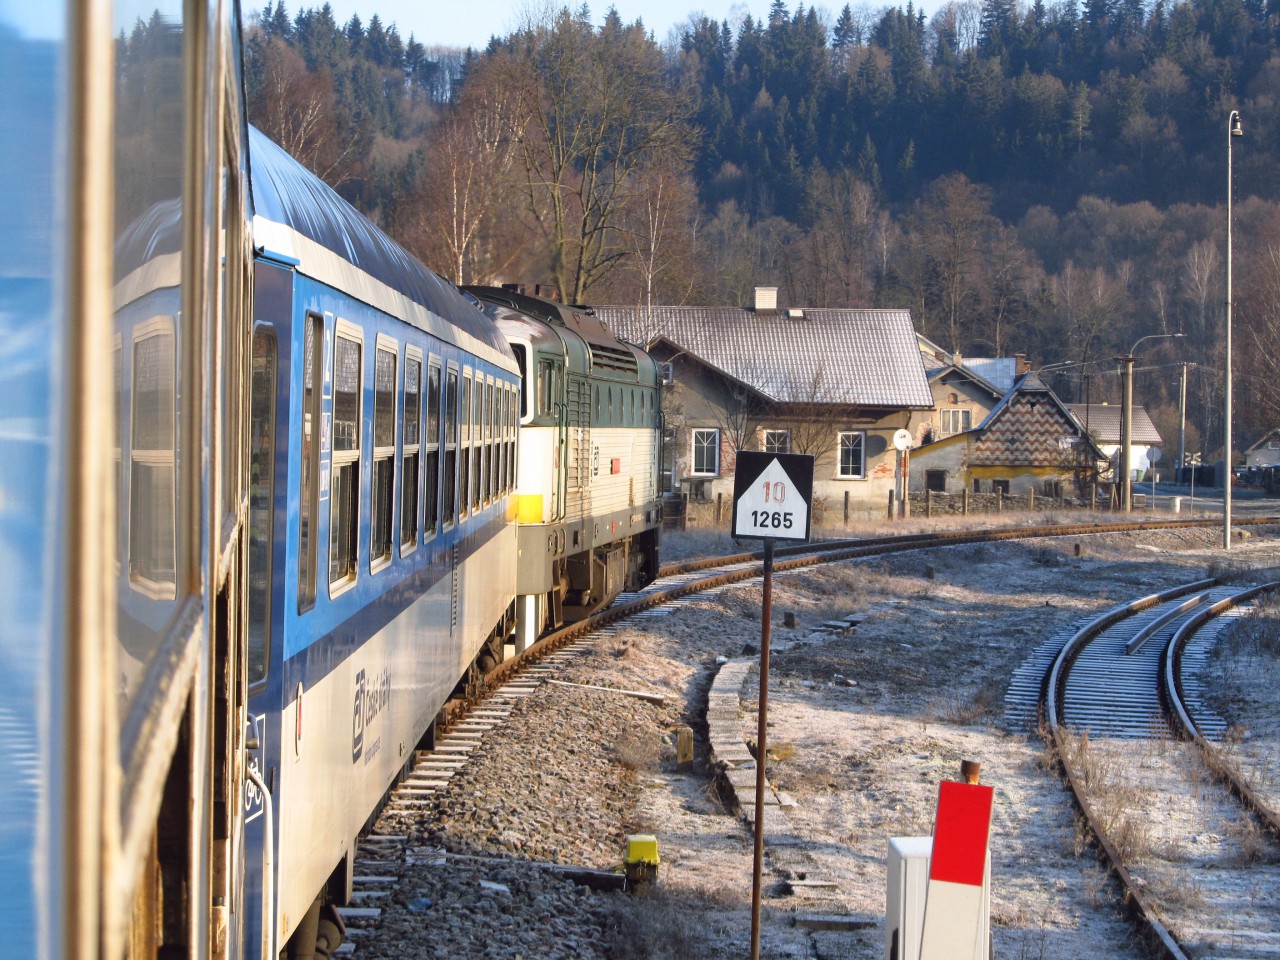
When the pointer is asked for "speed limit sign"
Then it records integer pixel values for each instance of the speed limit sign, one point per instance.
(772, 493)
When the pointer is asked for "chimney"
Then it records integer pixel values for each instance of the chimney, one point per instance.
(766, 299)
(1021, 364)
(957, 360)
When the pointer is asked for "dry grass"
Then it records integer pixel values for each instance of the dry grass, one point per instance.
(980, 704)
(636, 751)
(1116, 802)
(1250, 840)
(654, 925)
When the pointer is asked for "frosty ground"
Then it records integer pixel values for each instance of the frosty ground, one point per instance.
(864, 727)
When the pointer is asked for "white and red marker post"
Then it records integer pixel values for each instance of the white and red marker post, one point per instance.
(953, 904)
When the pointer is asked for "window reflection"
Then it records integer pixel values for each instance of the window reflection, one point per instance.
(153, 535)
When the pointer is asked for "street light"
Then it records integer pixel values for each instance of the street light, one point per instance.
(1126, 417)
(1233, 131)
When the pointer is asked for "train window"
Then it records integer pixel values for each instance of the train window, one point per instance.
(450, 481)
(410, 445)
(118, 359)
(546, 387)
(382, 490)
(500, 439)
(508, 412)
(153, 544)
(477, 444)
(480, 493)
(490, 430)
(344, 495)
(262, 447)
(512, 428)
(464, 443)
(522, 361)
(431, 439)
(309, 492)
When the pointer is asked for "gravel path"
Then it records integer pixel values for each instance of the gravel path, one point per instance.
(867, 724)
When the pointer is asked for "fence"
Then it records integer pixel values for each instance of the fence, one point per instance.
(683, 512)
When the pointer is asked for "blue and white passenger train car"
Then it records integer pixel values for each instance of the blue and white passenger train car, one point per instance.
(124, 259)
(382, 546)
(258, 519)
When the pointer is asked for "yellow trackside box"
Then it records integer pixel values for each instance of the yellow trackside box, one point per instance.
(642, 848)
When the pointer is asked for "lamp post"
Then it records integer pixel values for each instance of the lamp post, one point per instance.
(1233, 131)
(1126, 417)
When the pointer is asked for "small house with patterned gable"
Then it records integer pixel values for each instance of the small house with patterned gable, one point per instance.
(1029, 440)
(832, 383)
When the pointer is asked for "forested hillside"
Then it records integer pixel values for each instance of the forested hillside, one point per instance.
(1048, 179)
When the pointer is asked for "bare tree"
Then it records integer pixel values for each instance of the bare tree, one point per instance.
(1260, 366)
(660, 226)
(954, 221)
(595, 110)
(460, 219)
(1199, 279)
(298, 110)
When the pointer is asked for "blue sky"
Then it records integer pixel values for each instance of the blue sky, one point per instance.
(472, 22)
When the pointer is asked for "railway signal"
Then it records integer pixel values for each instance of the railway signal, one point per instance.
(772, 493)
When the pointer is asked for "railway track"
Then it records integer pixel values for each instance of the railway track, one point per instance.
(381, 856)
(1198, 871)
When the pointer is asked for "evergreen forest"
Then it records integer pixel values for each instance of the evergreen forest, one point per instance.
(1040, 178)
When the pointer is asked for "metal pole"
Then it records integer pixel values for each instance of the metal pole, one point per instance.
(1182, 424)
(766, 612)
(1233, 130)
(1126, 431)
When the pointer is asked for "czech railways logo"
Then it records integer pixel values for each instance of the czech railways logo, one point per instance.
(371, 696)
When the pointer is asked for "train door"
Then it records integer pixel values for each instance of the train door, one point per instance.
(578, 400)
(268, 462)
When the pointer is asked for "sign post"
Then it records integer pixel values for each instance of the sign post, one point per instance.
(902, 476)
(772, 495)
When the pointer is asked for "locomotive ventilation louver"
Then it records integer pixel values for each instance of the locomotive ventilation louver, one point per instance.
(612, 359)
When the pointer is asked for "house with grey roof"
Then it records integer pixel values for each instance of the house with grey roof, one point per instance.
(962, 396)
(1265, 452)
(832, 383)
(1102, 421)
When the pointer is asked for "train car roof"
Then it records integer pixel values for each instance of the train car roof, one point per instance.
(611, 357)
(299, 218)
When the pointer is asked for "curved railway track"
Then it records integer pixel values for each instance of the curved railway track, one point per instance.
(465, 721)
(1196, 873)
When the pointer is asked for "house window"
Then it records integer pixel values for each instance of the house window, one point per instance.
(852, 458)
(935, 480)
(1000, 486)
(706, 453)
(956, 421)
(777, 441)
(665, 373)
